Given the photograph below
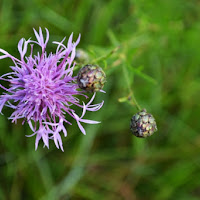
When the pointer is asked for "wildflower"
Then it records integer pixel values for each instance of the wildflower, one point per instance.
(43, 89)
(143, 124)
(91, 78)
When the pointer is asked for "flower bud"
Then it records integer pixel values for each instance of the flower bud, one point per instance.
(143, 124)
(81, 56)
(91, 78)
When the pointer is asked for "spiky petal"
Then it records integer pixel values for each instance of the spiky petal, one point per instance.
(43, 89)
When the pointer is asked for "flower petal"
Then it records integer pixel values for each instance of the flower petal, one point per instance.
(38, 137)
(89, 121)
(81, 127)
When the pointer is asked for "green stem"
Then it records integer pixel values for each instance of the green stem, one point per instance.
(104, 57)
(133, 99)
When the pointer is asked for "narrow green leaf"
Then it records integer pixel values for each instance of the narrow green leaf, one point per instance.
(138, 72)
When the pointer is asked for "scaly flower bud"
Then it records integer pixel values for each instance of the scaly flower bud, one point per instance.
(81, 56)
(91, 78)
(143, 124)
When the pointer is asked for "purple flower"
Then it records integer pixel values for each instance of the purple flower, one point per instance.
(43, 89)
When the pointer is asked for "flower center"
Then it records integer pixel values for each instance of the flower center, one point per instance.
(39, 87)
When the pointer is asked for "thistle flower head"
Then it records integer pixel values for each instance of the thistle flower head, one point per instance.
(91, 78)
(43, 89)
(143, 124)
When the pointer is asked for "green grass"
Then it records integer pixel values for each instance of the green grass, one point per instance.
(147, 48)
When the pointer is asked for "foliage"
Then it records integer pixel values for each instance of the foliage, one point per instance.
(149, 49)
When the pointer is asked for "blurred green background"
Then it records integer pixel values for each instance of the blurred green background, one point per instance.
(158, 59)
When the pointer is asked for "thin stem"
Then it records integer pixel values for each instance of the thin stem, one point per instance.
(96, 60)
(104, 57)
(132, 97)
(135, 101)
